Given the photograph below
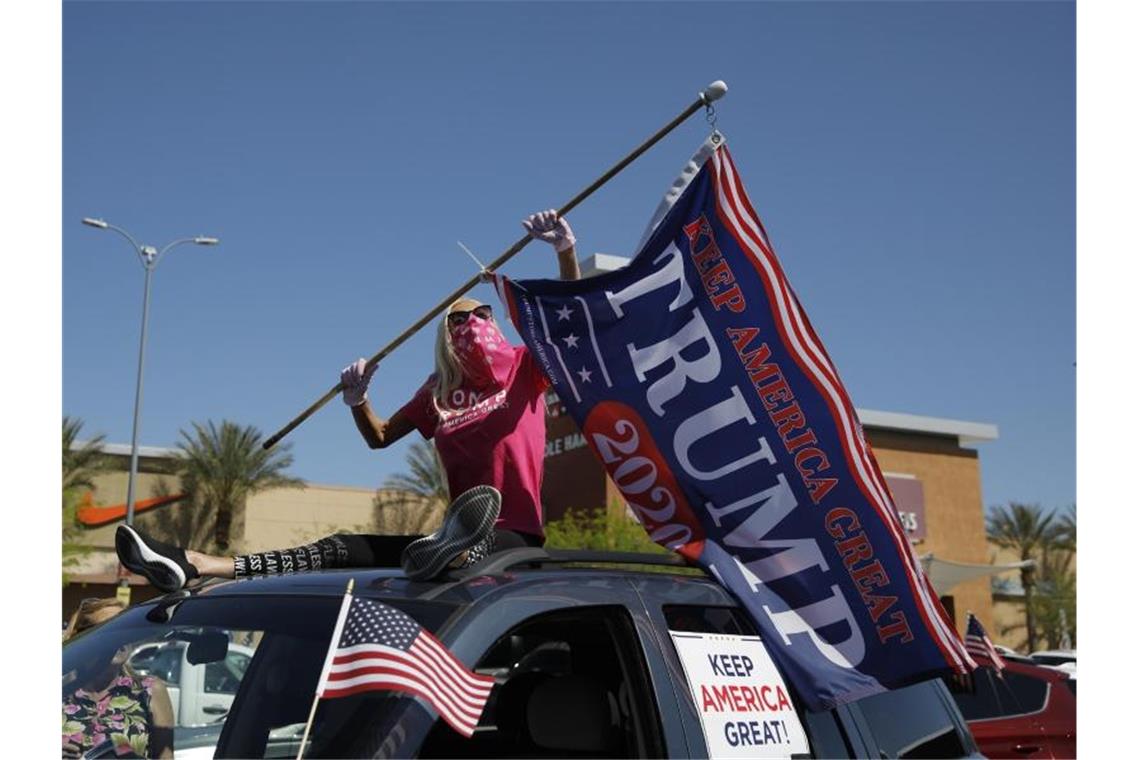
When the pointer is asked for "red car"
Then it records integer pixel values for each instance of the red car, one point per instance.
(1027, 711)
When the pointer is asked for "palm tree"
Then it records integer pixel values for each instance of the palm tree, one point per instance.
(417, 498)
(426, 477)
(1065, 530)
(1055, 602)
(1057, 590)
(82, 464)
(223, 466)
(1027, 530)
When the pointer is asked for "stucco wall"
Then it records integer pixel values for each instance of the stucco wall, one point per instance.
(951, 481)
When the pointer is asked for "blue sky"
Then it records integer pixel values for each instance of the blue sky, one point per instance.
(914, 164)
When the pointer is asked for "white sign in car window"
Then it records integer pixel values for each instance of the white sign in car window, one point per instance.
(742, 700)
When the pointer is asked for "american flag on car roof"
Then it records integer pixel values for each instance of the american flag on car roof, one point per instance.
(377, 647)
(979, 645)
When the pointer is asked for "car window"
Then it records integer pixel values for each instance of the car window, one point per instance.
(913, 722)
(1027, 693)
(694, 618)
(823, 729)
(259, 659)
(825, 734)
(224, 676)
(571, 683)
(975, 695)
(161, 661)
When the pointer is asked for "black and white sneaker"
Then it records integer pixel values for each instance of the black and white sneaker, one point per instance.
(164, 565)
(480, 551)
(468, 522)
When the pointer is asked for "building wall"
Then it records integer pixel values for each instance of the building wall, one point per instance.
(955, 523)
(276, 518)
(292, 516)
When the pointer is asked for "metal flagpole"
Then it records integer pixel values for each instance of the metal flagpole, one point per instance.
(711, 93)
(344, 605)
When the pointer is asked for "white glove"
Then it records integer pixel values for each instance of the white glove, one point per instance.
(355, 378)
(550, 228)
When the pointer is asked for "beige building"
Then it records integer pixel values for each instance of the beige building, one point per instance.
(275, 518)
(937, 455)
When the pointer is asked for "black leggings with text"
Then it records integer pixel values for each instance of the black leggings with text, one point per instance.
(344, 550)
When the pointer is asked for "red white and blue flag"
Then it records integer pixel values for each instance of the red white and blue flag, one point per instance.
(698, 381)
(979, 645)
(379, 648)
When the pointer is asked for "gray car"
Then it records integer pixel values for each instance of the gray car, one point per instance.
(582, 647)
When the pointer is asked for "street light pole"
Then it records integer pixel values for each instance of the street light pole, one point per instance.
(149, 257)
(148, 265)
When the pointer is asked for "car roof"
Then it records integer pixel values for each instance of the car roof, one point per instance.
(499, 573)
(1031, 668)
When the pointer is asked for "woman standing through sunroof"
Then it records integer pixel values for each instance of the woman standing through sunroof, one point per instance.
(484, 408)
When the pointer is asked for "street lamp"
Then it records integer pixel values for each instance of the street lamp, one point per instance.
(149, 257)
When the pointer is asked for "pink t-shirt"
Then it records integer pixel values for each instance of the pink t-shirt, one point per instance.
(495, 437)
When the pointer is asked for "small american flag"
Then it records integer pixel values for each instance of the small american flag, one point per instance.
(377, 647)
(979, 645)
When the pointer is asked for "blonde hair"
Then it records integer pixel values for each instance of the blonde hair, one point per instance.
(448, 373)
(84, 615)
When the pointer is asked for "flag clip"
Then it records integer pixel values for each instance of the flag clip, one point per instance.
(710, 117)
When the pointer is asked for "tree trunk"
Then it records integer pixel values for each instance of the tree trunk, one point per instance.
(222, 524)
(1030, 615)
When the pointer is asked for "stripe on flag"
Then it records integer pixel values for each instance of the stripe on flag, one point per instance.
(979, 645)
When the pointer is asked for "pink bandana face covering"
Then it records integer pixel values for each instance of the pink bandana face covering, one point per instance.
(483, 351)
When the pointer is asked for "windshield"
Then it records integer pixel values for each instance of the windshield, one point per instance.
(232, 676)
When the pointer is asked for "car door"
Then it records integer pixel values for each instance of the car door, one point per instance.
(1059, 718)
(577, 676)
(702, 609)
(915, 721)
(1024, 697)
(1000, 726)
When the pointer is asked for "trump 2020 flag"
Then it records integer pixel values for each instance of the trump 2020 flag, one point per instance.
(376, 647)
(698, 381)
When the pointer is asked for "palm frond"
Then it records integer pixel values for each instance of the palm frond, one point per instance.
(1022, 527)
(426, 477)
(81, 464)
(222, 466)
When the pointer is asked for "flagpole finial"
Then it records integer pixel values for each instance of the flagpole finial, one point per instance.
(351, 583)
(714, 91)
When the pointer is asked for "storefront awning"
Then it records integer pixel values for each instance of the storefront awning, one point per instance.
(945, 574)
